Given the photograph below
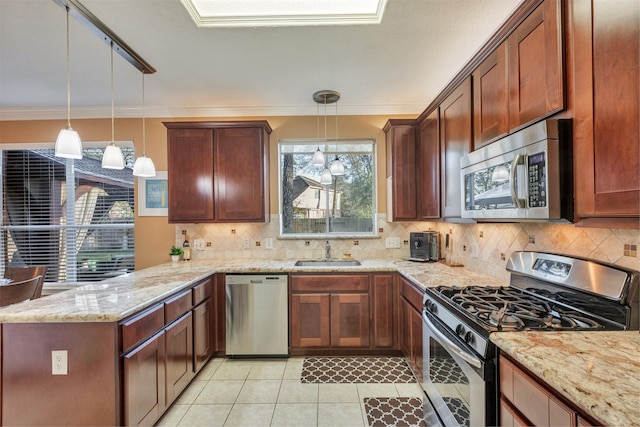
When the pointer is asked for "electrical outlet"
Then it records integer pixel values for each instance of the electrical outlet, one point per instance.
(474, 250)
(247, 243)
(198, 244)
(268, 242)
(59, 362)
(393, 242)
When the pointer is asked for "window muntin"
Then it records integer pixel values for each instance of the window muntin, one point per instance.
(344, 208)
(89, 240)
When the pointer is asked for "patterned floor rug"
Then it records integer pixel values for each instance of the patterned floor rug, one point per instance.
(394, 411)
(322, 370)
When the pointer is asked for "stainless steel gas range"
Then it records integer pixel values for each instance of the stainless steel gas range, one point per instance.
(546, 292)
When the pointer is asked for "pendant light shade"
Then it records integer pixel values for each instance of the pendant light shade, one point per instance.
(500, 174)
(318, 158)
(337, 168)
(144, 166)
(326, 178)
(68, 144)
(112, 158)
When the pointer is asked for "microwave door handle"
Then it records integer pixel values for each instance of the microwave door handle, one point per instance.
(519, 159)
(450, 345)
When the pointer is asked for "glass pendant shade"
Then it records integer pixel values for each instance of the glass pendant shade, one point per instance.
(326, 178)
(113, 158)
(144, 167)
(68, 144)
(318, 158)
(500, 174)
(337, 168)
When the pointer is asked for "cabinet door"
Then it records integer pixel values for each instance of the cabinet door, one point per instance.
(455, 141)
(144, 382)
(202, 336)
(607, 110)
(190, 175)
(490, 98)
(350, 320)
(384, 310)
(405, 330)
(179, 355)
(429, 167)
(239, 174)
(416, 342)
(401, 168)
(536, 66)
(310, 322)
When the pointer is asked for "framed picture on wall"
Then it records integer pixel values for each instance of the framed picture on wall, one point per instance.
(153, 195)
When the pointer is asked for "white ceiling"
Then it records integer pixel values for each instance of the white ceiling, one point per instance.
(396, 67)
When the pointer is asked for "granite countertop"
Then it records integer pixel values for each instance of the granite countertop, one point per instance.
(598, 371)
(117, 298)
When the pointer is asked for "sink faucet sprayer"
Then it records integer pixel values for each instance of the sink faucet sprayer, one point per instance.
(327, 250)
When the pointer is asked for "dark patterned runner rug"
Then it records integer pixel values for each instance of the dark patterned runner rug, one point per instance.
(394, 411)
(320, 370)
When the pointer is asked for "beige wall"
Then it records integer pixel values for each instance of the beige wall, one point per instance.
(154, 235)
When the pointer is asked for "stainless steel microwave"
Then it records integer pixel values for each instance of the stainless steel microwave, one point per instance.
(524, 176)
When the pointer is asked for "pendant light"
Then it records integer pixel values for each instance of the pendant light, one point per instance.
(325, 97)
(112, 158)
(68, 144)
(144, 166)
(337, 168)
(318, 157)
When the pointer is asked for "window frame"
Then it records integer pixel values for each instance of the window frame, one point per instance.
(71, 275)
(326, 147)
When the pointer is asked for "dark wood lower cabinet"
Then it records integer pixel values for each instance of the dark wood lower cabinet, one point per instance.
(350, 320)
(411, 326)
(310, 321)
(202, 335)
(144, 382)
(179, 355)
(383, 305)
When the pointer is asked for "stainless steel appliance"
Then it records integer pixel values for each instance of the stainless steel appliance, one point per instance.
(546, 292)
(257, 315)
(424, 246)
(522, 176)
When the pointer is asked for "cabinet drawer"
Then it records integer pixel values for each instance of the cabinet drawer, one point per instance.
(201, 292)
(412, 294)
(177, 306)
(141, 326)
(330, 283)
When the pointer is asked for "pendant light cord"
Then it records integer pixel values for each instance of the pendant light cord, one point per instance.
(144, 135)
(113, 133)
(68, 76)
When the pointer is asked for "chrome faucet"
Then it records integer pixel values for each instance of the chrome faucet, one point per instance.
(327, 250)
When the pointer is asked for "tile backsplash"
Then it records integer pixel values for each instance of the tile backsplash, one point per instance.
(492, 243)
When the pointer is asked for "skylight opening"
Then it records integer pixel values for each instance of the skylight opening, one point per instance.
(260, 13)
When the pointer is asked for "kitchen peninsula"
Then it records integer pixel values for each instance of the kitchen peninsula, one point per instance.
(89, 322)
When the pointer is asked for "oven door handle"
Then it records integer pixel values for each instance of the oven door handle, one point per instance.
(450, 345)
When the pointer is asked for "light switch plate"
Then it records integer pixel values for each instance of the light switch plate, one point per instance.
(393, 242)
(59, 362)
(198, 244)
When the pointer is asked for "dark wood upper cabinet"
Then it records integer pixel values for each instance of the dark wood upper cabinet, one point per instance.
(401, 170)
(605, 42)
(218, 171)
(428, 155)
(490, 98)
(455, 141)
(190, 175)
(536, 67)
(239, 174)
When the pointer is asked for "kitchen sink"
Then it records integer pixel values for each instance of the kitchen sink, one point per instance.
(328, 263)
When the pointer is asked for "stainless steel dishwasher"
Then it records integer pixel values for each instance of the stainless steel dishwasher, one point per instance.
(257, 318)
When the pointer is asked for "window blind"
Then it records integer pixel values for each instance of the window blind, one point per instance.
(72, 216)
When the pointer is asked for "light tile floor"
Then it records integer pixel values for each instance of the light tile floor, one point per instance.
(268, 392)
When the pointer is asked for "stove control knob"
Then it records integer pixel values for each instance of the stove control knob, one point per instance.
(468, 337)
(460, 330)
(431, 306)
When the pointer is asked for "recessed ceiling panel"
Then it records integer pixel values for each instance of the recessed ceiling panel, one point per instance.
(253, 13)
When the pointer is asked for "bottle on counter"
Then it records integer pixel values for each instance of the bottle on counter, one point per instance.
(186, 249)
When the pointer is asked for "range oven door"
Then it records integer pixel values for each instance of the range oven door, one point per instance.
(458, 384)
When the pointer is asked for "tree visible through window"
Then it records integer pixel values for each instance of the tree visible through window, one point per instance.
(72, 216)
(344, 207)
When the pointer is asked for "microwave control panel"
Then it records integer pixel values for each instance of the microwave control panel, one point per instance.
(537, 180)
